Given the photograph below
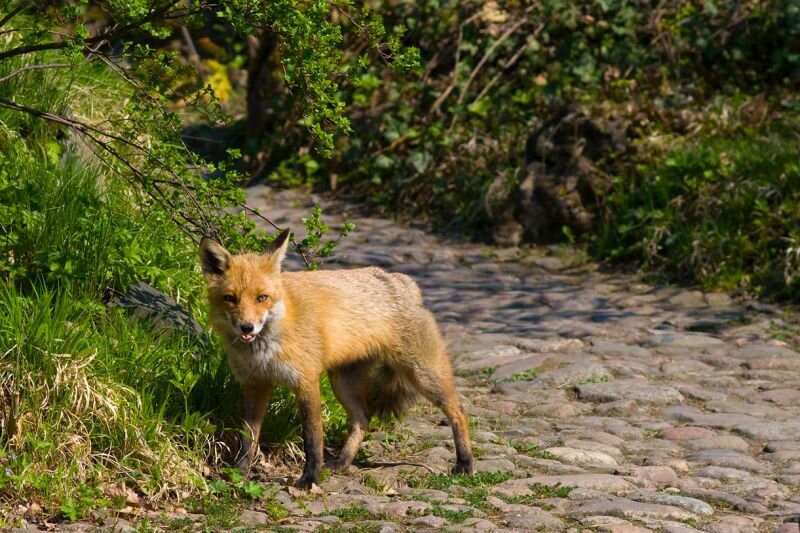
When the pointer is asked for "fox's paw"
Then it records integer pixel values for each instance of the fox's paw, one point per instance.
(242, 463)
(338, 465)
(462, 467)
(305, 483)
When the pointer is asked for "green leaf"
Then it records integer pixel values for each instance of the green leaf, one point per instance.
(254, 489)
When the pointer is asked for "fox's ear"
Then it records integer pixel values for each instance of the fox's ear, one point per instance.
(214, 257)
(277, 249)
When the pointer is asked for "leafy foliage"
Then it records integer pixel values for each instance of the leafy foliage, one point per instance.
(720, 210)
(97, 190)
(431, 145)
(142, 142)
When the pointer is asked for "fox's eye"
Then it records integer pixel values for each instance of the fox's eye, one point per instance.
(230, 298)
(262, 298)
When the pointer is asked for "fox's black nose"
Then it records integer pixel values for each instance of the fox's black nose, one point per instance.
(246, 328)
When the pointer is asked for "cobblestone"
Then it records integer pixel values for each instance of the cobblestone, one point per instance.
(593, 405)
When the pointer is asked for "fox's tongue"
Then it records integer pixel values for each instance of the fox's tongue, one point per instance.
(247, 337)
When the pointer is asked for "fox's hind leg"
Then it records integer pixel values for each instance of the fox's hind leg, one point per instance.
(350, 384)
(432, 373)
(440, 390)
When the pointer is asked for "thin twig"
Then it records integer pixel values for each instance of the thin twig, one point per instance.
(14, 12)
(488, 55)
(33, 67)
(510, 63)
(274, 225)
(442, 97)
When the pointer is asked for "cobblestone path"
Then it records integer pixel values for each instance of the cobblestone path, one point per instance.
(597, 402)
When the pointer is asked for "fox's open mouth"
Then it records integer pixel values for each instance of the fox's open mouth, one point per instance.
(247, 337)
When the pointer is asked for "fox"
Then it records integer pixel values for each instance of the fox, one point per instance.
(366, 327)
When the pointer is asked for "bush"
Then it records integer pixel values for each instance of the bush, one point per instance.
(430, 145)
(719, 209)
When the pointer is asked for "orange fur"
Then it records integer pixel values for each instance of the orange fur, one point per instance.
(358, 325)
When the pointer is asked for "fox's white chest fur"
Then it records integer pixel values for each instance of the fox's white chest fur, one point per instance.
(259, 360)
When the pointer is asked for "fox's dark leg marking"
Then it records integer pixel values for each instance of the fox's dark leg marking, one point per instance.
(255, 405)
(309, 404)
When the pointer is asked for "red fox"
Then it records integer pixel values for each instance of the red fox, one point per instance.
(366, 327)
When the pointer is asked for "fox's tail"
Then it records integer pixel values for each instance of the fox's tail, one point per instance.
(390, 392)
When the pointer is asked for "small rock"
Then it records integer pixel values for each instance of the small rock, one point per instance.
(762, 351)
(780, 396)
(530, 518)
(658, 475)
(585, 458)
(629, 390)
(727, 442)
(144, 301)
(430, 521)
(690, 504)
(606, 348)
(723, 473)
(682, 340)
(573, 374)
(736, 524)
(603, 482)
(494, 465)
(770, 430)
(253, 517)
(687, 433)
(632, 510)
(619, 408)
(479, 524)
(559, 410)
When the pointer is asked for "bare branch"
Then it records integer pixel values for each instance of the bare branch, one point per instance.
(517, 25)
(274, 225)
(14, 12)
(442, 97)
(33, 67)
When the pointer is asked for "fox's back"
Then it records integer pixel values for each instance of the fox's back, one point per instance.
(353, 311)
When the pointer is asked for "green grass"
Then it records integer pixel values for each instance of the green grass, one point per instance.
(477, 499)
(525, 375)
(532, 450)
(596, 379)
(541, 490)
(355, 513)
(480, 374)
(718, 209)
(451, 515)
(443, 481)
(90, 397)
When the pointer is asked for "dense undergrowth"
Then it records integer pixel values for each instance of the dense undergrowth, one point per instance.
(719, 208)
(92, 400)
(703, 91)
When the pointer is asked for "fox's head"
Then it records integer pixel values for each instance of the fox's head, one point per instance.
(244, 291)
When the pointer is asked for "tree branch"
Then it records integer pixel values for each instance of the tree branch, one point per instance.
(274, 225)
(92, 133)
(488, 54)
(14, 12)
(33, 67)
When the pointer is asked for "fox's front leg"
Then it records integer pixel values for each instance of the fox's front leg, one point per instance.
(255, 405)
(309, 404)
